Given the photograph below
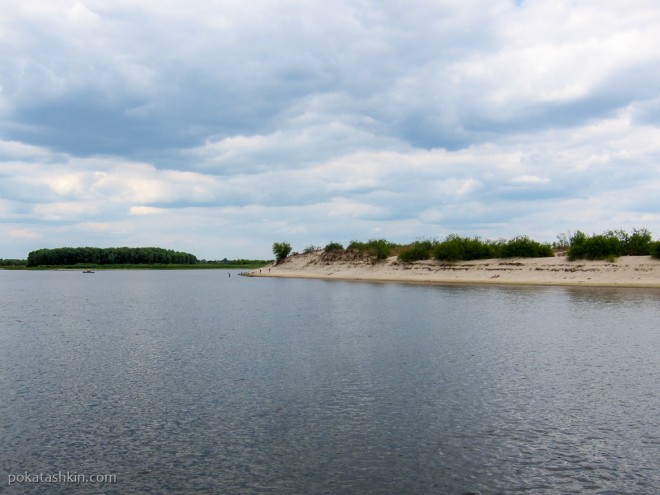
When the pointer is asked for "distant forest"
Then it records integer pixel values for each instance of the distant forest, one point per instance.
(12, 262)
(108, 256)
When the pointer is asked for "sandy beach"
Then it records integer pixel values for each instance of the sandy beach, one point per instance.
(626, 271)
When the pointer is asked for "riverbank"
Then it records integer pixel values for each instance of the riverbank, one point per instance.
(626, 271)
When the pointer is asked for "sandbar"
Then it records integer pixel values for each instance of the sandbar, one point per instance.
(625, 271)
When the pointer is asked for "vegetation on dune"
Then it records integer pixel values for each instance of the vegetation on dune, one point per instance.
(459, 248)
(610, 244)
(654, 249)
(281, 250)
(421, 249)
(333, 246)
(378, 248)
(524, 247)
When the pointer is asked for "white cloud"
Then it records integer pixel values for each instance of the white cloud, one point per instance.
(23, 234)
(64, 210)
(530, 179)
(147, 210)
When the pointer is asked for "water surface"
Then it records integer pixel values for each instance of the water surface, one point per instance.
(197, 382)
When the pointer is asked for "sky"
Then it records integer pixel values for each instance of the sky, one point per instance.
(218, 127)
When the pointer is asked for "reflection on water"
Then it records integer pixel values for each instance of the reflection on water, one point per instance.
(194, 382)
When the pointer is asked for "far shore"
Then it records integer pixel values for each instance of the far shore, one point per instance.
(83, 267)
(626, 271)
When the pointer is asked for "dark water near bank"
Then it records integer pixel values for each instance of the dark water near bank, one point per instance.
(194, 382)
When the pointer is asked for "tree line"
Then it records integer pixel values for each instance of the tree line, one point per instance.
(108, 256)
(12, 262)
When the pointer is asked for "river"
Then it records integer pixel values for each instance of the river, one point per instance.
(201, 382)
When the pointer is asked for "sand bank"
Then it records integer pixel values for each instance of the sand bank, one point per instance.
(627, 271)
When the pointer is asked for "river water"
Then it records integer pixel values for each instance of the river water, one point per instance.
(201, 382)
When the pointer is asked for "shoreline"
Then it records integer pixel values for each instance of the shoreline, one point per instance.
(641, 272)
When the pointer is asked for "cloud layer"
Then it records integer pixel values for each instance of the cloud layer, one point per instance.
(219, 128)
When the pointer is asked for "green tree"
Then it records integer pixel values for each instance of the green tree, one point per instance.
(281, 250)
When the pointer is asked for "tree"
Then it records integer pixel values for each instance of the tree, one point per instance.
(281, 250)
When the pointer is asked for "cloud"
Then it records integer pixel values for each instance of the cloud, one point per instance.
(530, 179)
(23, 234)
(220, 126)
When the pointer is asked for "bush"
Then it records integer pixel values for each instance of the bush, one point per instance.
(654, 249)
(333, 246)
(457, 248)
(418, 250)
(562, 243)
(360, 247)
(524, 247)
(596, 247)
(311, 249)
(281, 250)
(378, 248)
(611, 243)
(638, 243)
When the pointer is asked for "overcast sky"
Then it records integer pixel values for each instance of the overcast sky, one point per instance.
(219, 127)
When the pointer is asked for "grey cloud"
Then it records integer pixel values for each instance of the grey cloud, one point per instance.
(235, 79)
(647, 112)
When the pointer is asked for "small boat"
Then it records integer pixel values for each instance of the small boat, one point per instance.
(88, 271)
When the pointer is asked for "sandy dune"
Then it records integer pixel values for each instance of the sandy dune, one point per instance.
(627, 271)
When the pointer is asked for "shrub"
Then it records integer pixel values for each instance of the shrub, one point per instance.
(333, 246)
(358, 246)
(418, 250)
(311, 249)
(654, 249)
(281, 250)
(611, 243)
(524, 247)
(596, 247)
(562, 243)
(456, 248)
(638, 243)
(378, 248)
